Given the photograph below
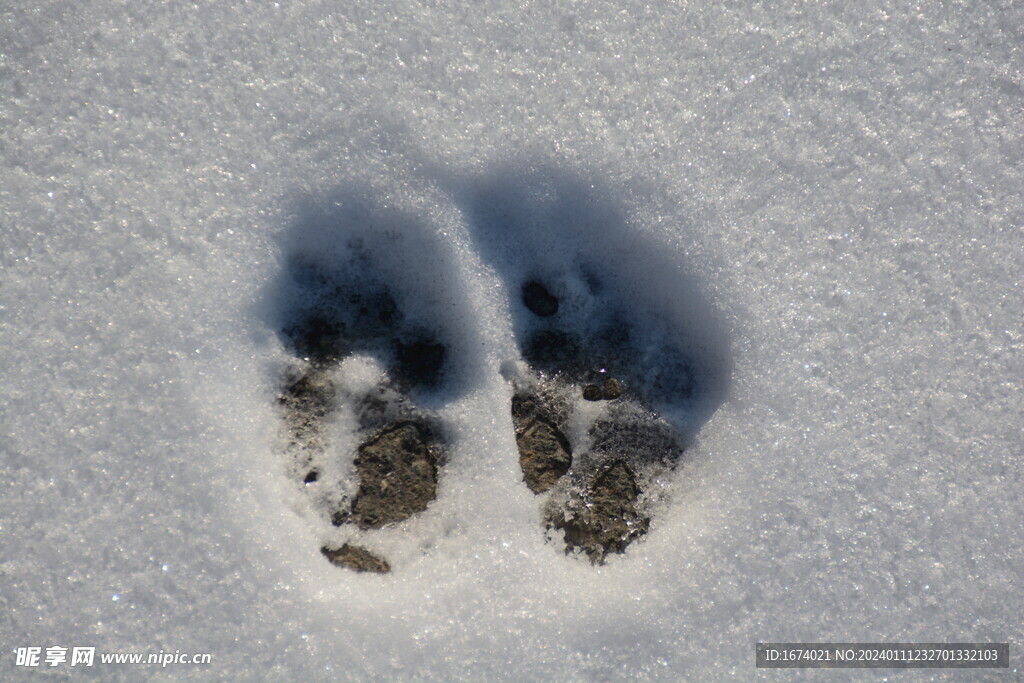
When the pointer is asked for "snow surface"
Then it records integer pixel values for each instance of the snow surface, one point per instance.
(833, 194)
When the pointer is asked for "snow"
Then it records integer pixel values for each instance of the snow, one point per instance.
(820, 202)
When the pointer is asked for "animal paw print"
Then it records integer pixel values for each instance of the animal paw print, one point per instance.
(617, 364)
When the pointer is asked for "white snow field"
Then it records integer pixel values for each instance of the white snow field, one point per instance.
(821, 201)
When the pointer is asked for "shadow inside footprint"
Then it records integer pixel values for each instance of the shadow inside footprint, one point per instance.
(372, 321)
(614, 336)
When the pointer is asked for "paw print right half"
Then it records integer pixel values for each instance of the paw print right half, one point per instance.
(615, 375)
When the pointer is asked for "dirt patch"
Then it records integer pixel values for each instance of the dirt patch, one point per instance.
(356, 558)
(397, 473)
(604, 519)
(544, 454)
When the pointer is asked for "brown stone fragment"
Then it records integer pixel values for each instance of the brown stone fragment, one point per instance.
(356, 558)
(606, 519)
(592, 392)
(544, 454)
(397, 477)
(611, 389)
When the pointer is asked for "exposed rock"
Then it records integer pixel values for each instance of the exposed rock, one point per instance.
(397, 477)
(539, 300)
(606, 519)
(611, 389)
(356, 558)
(544, 454)
(592, 392)
(524, 408)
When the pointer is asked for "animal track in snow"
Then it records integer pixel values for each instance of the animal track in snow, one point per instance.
(613, 377)
(370, 355)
